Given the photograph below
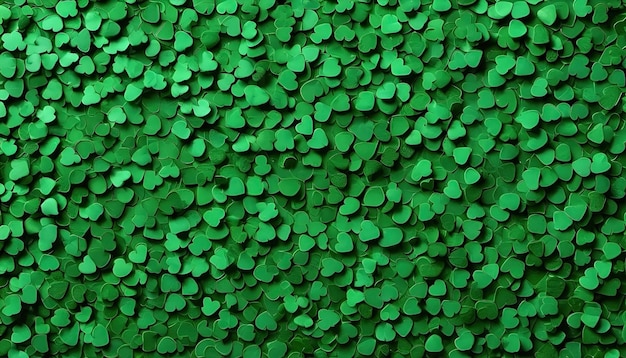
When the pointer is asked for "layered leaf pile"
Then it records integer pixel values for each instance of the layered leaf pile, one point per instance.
(312, 178)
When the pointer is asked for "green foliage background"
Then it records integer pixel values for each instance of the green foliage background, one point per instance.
(312, 178)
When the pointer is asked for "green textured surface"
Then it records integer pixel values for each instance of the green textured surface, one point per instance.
(354, 178)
